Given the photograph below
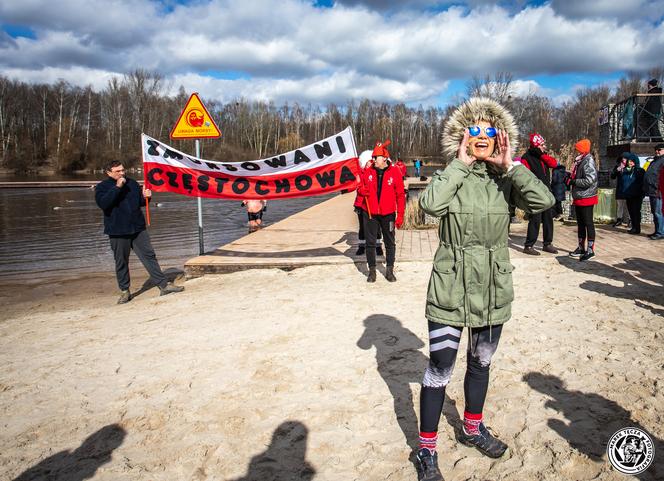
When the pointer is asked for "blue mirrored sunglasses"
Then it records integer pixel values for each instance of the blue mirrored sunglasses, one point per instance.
(475, 130)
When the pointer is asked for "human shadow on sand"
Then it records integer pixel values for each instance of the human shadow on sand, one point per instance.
(284, 459)
(171, 274)
(642, 280)
(591, 421)
(83, 462)
(401, 363)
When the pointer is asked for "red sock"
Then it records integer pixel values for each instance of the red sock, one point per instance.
(428, 441)
(471, 423)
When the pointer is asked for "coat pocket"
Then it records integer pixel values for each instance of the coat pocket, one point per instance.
(446, 285)
(502, 282)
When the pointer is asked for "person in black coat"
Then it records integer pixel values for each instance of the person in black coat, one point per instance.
(630, 183)
(558, 189)
(649, 116)
(121, 199)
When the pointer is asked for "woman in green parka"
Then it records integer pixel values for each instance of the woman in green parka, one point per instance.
(471, 280)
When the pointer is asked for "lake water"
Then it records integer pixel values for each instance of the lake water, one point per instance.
(58, 233)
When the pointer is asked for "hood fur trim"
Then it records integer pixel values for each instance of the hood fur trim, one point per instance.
(468, 113)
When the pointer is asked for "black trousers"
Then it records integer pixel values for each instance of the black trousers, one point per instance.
(142, 247)
(634, 209)
(360, 219)
(584, 221)
(557, 208)
(384, 224)
(546, 219)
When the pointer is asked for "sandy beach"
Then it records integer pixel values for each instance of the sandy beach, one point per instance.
(313, 374)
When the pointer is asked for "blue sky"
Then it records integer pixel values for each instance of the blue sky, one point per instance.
(412, 51)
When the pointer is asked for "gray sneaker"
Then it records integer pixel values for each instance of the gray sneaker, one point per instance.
(125, 297)
(170, 288)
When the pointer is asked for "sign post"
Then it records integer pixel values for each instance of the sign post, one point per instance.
(195, 122)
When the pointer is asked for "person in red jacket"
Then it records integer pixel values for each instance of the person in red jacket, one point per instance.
(402, 167)
(360, 206)
(539, 163)
(381, 185)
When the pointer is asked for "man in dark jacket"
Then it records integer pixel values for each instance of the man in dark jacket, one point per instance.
(558, 189)
(539, 164)
(651, 189)
(121, 199)
(652, 110)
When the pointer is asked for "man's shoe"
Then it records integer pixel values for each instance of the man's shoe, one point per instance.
(389, 274)
(360, 250)
(428, 466)
(485, 442)
(550, 249)
(530, 251)
(170, 288)
(656, 237)
(634, 232)
(125, 297)
(577, 253)
(379, 250)
(372, 275)
(588, 255)
(617, 223)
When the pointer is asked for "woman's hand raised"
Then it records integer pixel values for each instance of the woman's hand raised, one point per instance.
(503, 159)
(462, 155)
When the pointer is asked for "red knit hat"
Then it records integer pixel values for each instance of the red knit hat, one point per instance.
(583, 146)
(380, 149)
(536, 140)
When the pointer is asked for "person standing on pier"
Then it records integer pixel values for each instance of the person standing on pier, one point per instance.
(381, 186)
(471, 280)
(121, 199)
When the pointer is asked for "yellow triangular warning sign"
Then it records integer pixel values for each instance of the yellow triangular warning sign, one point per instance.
(195, 122)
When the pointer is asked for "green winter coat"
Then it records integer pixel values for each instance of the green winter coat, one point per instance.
(471, 280)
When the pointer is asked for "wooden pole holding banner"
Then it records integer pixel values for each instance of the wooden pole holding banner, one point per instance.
(145, 185)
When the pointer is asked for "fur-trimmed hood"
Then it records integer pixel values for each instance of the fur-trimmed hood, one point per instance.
(469, 113)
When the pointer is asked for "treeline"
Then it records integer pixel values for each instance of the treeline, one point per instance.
(66, 128)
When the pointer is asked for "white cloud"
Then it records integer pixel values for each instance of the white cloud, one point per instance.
(293, 49)
(79, 76)
(338, 88)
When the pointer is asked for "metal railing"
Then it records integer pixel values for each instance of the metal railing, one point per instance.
(635, 119)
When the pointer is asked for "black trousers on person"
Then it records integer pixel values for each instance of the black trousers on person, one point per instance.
(372, 227)
(142, 247)
(546, 219)
(584, 221)
(634, 209)
(360, 218)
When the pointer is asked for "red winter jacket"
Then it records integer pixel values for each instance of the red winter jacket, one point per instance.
(359, 199)
(402, 167)
(392, 196)
(545, 161)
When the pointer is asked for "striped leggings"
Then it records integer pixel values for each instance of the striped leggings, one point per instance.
(443, 347)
